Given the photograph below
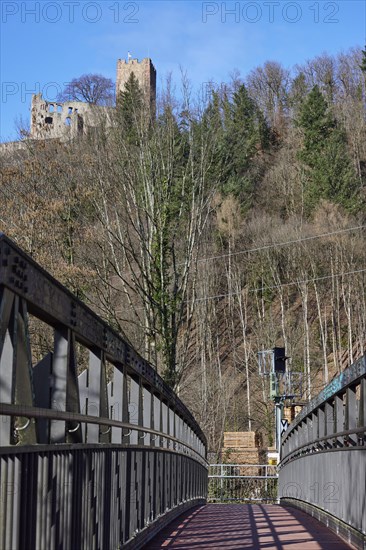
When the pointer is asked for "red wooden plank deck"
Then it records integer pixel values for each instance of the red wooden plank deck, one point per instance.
(234, 526)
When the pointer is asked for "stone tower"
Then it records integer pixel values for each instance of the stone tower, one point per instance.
(145, 73)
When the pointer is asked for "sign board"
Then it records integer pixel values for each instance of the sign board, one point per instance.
(273, 458)
(284, 426)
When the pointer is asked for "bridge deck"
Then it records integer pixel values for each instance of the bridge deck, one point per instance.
(235, 526)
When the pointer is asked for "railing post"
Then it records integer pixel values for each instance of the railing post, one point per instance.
(115, 396)
(147, 413)
(321, 425)
(157, 419)
(315, 425)
(172, 427)
(164, 419)
(339, 418)
(58, 387)
(351, 414)
(222, 471)
(97, 397)
(148, 483)
(329, 421)
(362, 410)
(135, 407)
(7, 366)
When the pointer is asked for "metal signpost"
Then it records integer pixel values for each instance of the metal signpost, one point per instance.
(272, 363)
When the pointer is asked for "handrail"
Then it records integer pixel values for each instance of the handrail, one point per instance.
(323, 461)
(338, 384)
(54, 304)
(49, 414)
(311, 445)
(106, 479)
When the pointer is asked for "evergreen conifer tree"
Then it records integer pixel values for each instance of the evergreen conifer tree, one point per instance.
(363, 62)
(246, 134)
(130, 105)
(298, 92)
(330, 174)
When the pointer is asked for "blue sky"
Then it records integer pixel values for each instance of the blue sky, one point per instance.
(45, 44)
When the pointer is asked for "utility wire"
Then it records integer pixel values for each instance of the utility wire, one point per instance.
(274, 245)
(217, 296)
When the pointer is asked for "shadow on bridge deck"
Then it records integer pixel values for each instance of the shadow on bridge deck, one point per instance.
(235, 526)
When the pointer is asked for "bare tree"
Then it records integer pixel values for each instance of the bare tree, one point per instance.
(269, 85)
(154, 199)
(90, 88)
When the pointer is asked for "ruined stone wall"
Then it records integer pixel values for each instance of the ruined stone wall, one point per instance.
(145, 73)
(65, 121)
(12, 147)
(71, 119)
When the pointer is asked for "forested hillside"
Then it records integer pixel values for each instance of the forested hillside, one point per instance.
(225, 225)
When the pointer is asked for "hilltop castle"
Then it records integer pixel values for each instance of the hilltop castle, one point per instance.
(67, 120)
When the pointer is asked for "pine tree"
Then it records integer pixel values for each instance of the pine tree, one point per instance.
(130, 106)
(317, 125)
(213, 121)
(330, 174)
(246, 135)
(363, 62)
(298, 92)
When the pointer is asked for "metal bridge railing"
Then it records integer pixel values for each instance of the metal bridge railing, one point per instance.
(242, 483)
(98, 459)
(323, 456)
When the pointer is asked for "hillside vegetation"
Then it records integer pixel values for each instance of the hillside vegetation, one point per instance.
(223, 226)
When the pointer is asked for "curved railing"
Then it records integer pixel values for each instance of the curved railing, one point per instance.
(323, 456)
(97, 459)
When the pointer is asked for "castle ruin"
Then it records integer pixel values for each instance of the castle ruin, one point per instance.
(145, 73)
(68, 120)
